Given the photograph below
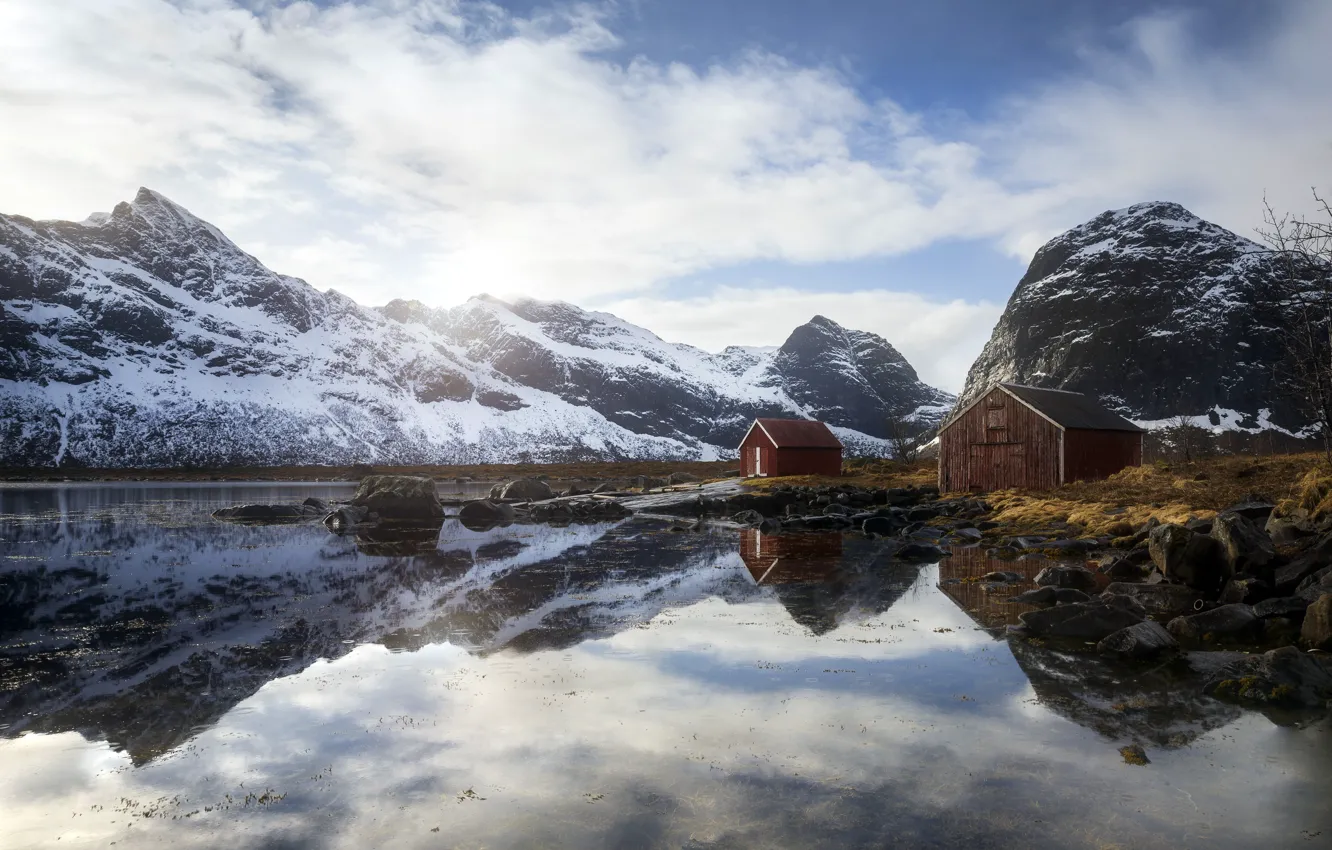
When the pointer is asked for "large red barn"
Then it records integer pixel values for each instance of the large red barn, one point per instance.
(790, 447)
(1033, 438)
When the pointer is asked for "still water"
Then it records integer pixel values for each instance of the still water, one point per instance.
(167, 680)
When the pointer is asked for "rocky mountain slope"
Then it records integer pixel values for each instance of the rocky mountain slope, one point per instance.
(1154, 310)
(145, 337)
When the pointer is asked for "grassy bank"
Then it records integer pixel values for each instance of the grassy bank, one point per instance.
(1115, 506)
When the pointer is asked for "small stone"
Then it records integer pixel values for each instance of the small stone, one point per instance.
(1141, 640)
(1065, 576)
(1316, 633)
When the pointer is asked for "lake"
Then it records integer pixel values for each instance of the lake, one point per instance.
(169, 680)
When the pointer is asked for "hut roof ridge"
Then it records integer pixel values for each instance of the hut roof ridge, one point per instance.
(798, 433)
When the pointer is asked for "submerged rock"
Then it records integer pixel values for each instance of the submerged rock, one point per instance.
(260, 514)
(1051, 596)
(1091, 620)
(484, 512)
(399, 497)
(917, 551)
(1161, 600)
(1078, 578)
(346, 517)
(1147, 639)
(1226, 624)
(1284, 677)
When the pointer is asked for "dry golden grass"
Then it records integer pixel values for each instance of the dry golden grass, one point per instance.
(861, 472)
(1171, 493)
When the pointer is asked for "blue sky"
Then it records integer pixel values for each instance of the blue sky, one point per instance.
(716, 171)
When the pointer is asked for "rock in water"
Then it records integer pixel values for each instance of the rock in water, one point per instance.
(399, 497)
(921, 552)
(1142, 640)
(1160, 600)
(1246, 548)
(346, 517)
(1226, 624)
(1317, 630)
(1091, 620)
(260, 514)
(1284, 677)
(1282, 606)
(1185, 556)
(483, 513)
(1077, 578)
(526, 490)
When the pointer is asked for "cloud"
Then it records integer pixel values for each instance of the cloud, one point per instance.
(939, 338)
(439, 149)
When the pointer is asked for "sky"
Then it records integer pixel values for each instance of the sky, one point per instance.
(717, 171)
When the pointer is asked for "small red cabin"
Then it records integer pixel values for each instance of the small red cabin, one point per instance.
(1033, 438)
(790, 447)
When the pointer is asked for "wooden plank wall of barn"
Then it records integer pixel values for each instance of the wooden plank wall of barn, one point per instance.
(1036, 468)
(792, 461)
(1096, 454)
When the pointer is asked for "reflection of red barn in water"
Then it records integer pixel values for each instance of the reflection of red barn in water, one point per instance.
(782, 558)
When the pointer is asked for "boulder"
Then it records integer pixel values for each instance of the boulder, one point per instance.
(880, 525)
(526, 490)
(315, 506)
(1002, 576)
(496, 492)
(968, 534)
(1163, 601)
(1282, 606)
(920, 551)
(399, 497)
(1316, 585)
(645, 482)
(1065, 576)
(1254, 511)
(1282, 530)
(605, 487)
(836, 510)
(1091, 620)
(1190, 558)
(1316, 633)
(1126, 569)
(1246, 548)
(485, 513)
(1051, 596)
(1284, 677)
(1248, 590)
(682, 478)
(1224, 624)
(1147, 639)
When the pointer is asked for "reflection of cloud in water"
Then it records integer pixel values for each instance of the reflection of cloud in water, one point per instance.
(601, 743)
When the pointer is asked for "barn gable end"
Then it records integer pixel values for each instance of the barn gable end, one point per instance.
(790, 447)
(1033, 438)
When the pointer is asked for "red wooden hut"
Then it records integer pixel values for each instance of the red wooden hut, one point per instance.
(790, 447)
(1033, 438)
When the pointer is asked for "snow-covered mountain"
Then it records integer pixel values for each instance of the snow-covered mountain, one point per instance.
(145, 337)
(1154, 310)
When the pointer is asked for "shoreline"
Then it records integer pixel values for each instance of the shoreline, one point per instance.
(577, 471)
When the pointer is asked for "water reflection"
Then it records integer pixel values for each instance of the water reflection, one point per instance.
(597, 685)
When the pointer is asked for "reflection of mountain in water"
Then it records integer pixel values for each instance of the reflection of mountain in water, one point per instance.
(825, 579)
(143, 633)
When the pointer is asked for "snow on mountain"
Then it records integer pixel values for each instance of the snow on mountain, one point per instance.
(145, 337)
(1155, 311)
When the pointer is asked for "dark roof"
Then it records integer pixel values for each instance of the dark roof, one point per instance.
(1071, 410)
(798, 434)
